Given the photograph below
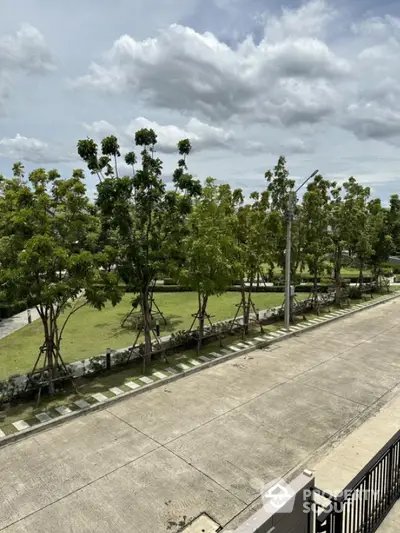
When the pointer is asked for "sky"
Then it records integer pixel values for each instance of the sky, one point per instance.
(245, 80)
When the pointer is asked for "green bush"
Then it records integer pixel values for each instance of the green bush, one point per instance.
(6, 311)
(236, 288)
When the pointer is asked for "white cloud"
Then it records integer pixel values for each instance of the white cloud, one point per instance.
(285, 80)
(33, 150)
(202, 136)
(25, 52)
(293, 76)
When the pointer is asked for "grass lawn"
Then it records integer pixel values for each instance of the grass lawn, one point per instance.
(90, 332)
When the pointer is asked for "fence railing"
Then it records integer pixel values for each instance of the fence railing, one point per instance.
(366, 500)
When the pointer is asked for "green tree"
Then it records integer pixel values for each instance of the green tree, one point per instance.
(279, 187)
(382, 244)
(394, 221)
(48, 251)
(338, 234)
(358, 223)
(315, 223)
(147, 222)
(210, 249)
(253, 235)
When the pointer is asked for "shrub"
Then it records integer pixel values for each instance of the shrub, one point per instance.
(7, 311)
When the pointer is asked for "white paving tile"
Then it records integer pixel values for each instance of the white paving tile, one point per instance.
(63, 410)
(99, 397)
(159, 375)
(242, 345)
(259, 339)
(215, 354)
(82, 404)
(249, 343)
(2, 434)
(43, 417)
(194, 362)
(172, 370)
(182, 366)
(20, 425)
(234, 348)
(146, 380)
(204, 358)
(116, 390)
(273, 334)
(132, 385)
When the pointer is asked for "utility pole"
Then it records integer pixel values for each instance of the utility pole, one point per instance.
(292, 196)
(288, 295)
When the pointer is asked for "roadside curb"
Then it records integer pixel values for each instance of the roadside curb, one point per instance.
(280, 335)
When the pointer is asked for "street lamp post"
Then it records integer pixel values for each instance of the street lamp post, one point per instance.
(289, 217)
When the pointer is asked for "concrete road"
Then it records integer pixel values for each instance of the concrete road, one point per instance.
(206, 443)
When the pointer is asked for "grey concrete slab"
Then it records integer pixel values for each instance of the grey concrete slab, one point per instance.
(99, 397)
(63, 410)
(138, 498)
(132, 385)
(20, 425)
(391, 524)
(290, 418)
(43, 417)
(46, 467)
(186, 409)
(82, 404)
(206, 443)
(146, 380)
(359, 383)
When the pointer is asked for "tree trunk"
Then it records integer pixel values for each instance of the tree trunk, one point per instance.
(247, 307)
(146, 327)
(243, 293)
(361, 274)
(50, 359)
(203, 298)
(338, 267)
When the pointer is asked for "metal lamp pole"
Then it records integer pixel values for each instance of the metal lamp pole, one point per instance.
(289, 217)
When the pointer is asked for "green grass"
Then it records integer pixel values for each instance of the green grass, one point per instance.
(26, 409)
(90, 332)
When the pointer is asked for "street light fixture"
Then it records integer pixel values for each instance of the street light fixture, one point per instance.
(289, 218)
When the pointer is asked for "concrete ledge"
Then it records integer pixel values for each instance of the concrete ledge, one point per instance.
(162, 382)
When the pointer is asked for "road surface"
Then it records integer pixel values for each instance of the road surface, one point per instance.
(206, 443)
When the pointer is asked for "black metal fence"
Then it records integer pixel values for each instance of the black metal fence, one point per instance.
(367, 499)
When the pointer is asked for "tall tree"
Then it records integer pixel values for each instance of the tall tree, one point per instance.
(147, 221)
(210, 249)
(338, 234)
(253, 235)
(358, 223)
(382, 244)
(48, 250)
(279, 188)
(394, 221)
(315, 215)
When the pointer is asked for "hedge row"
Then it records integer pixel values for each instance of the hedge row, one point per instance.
(6, 311)
(236, 288)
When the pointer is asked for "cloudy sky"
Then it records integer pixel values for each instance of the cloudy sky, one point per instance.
(246, 80)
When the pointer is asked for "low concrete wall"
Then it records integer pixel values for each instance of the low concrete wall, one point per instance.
(292, 516)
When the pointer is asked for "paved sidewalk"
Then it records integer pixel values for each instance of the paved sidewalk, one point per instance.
(16, 322)
(206, 443)
(348, 457)
(391, 524)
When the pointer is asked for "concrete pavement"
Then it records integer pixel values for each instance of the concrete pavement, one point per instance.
(208, 442)
(16, 322)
